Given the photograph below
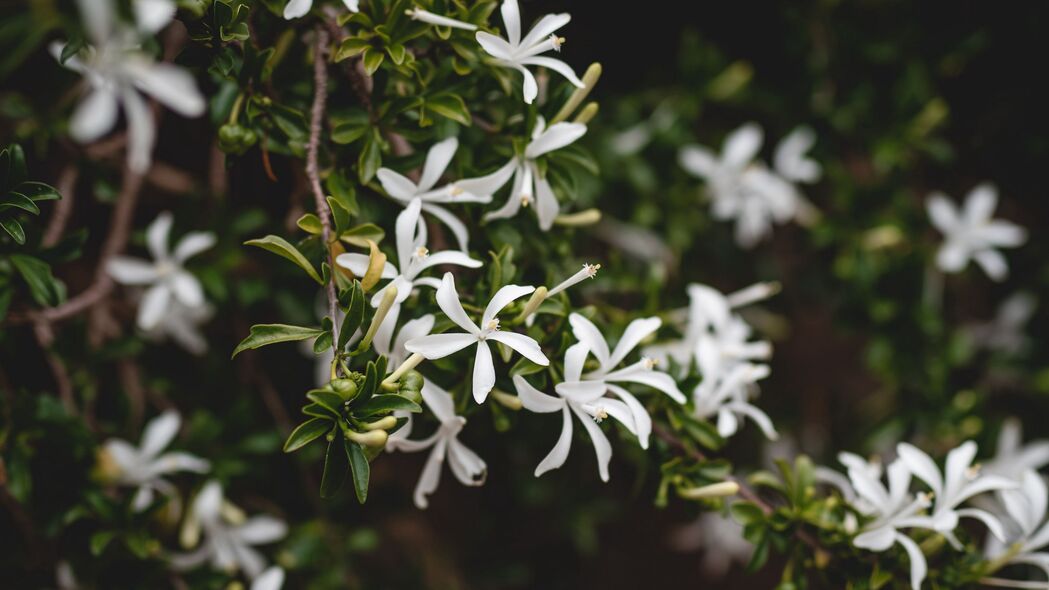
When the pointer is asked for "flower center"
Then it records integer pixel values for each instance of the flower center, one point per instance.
(557, 42)
(455, 191)
(526, 200)
(421, 252)
(492, 325)
(165, 268)
(973, 472)
(649, 363)
(591, 269)
(600, 414)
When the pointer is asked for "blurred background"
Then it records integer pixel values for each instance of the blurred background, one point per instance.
(905, 98)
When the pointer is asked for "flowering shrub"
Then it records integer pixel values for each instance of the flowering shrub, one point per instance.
(428, 201)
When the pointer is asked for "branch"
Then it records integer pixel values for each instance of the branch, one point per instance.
(320, 95)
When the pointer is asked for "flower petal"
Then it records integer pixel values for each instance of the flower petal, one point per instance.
(942, 213)
(525, 345)
(512, 21)
(192, 244)
(503, 297)
(586, 332)
(187, 289)
(467, 466)
(396, 185)
(437, 160)
(159, 433)
(171, 85)
(602, 448)
(94, 116)
(556, 65)
(297, 8)
(635, 332)
(980, 204)
(495, 46)
(742, 145)
(131, 271)
(917, 557)
(556, 137)
(153, 306)
(437, 346)
(544, 28)
(559, 454)
(462, 235)
(922, 466)
(271, 579)
(438, 400)
(484, 372)
(259, 530)
(448, 301)
(534, 400)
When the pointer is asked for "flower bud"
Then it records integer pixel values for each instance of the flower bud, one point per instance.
(345, 388)
(374, 438)
(382, 424)
(714, 490)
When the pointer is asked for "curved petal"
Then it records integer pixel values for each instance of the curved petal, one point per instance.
(437, 346)
(980, 203)
(544, 28)
(358, 265)
(512, 21)
(484, 372)
(192, 244)
(405, 228)
(555, 137)
(529, 87)
(431, 474)
(141, 130)
(159, 433)
(396, 185)
(742, 145)
(437, 160)
(635, 332)
(524, 345)
(495, 46)
(187, 289)
(94, 116)
(638, 373)
(259, 530)
(171, 85)
(534, 400)
(602, 448)
(503, 297)
(993, 263)
(271, 579)
(953, 255)
(698, 161)
(559, 454)
(959, 460)
(482, 187)
(153, 15)
(556, 65)
(153, 306)
(642, 420)
(157, 235)
(586, 332)
(467, 466)
(922, 466)
(131, 271)
(448, 257)
(462, 235)
(575, 357)
(942, 213)
(448, 301)
(877, 539)
(439, 401)
(297, 8)
(546, 205)
(918, 565)
(759, 417)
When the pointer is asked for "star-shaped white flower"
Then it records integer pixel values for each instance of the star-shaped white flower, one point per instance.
(144, 466)
(471, 190)
(892, 509)
(721, 540)
(1012, 457)
(516, 52)
(117, 73)
(153, 15)
(726, 396)
(165, 278)
(467, 467)
(437, 346)
(1025, 508)
(791, 160)
(584, 399)
(181, 324)
(971, 233)
(412, 257)
(960, 481)
(744, 189)
(298, 8)
(529, 186)
(607, 376)
(1006, 333)
(229, 537)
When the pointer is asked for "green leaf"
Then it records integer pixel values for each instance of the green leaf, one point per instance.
(354, 314)
(318, 411)
(360, 468)
(340, 187)
(383, 404)
(12, 166)
(372, 59)
(350, 47)
(282, 247)
(14, 229)
(450, 106)
(99, 541)
(266, 334)
(38, 191)
(328, 399)
(746, 513)
(311, 224)
(370, 159)
(322, 343)
(16, 200)
(341, 215)
(335, 467)
(359, 235)
(306, 433)
(397, 53)
(44, 288)
(350, 131)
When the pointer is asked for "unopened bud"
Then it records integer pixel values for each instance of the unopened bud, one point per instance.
(374, 438)
(714, 490)
(382, 424)
(580, 219)
(508, 401)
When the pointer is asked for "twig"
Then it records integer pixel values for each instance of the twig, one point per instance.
(45, 337)
(320, 96)
(63, 208)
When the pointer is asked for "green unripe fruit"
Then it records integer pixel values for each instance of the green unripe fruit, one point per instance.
(235, 139)
(345, 388)
(411, 394)
(412, 381)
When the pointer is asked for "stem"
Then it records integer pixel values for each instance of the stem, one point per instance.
(408, 364)
(320, 96)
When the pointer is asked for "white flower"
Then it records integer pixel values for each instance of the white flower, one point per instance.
(529, 186)
(153, 15)
(960, 481)
(229, 537)
(584, 399)
(709, 314)
(395, 352)
(165, 277)
(743, 189)
(467, 467)
(515, 52)
(181, 323)
(1012, 458)
(473, 190)
(117, 71)
(607, 376)
(435, 19)
(720, 538)
(892, 509)
(790, 160)
(1026, 508)
(299, 8)
(971, 234)
(412, 257)
(271, 579)
(1005, 333)
(725, 395)
(144, 466)
(588, 271)
(437, 346)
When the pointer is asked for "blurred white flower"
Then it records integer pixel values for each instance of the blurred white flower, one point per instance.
(467, 467)
(971, 234)
(608, 377)
(515, 52)
(298, 8)
(471, 190)
(584, 399)
(1012, 457)
(960, 481)
(153, 15)
(395, 352)
(182, 323)
(1025, 508)
(1005, 333)
(117, 73)
(791, 160)
(529, 186)
(725, 395)
(437, 346)
(435, 19)
(165, 278)
(743, 189)
(144, 466)
(229, 537)
(891, 508)
(719, 537)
